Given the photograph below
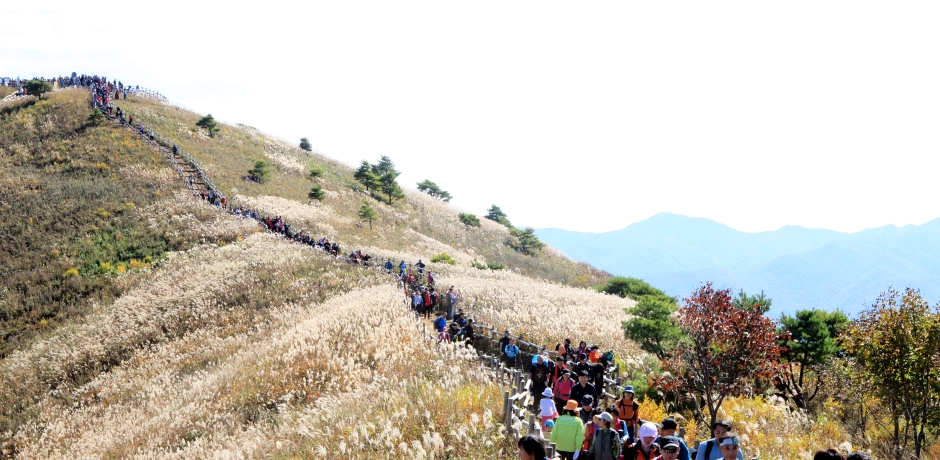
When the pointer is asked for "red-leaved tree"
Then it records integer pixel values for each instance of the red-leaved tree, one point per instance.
(725, 352)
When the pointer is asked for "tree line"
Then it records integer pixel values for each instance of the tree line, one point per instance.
(882, 369)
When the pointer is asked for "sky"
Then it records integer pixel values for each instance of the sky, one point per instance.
(585, 116)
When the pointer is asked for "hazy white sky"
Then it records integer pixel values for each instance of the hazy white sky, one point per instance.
(585, 116)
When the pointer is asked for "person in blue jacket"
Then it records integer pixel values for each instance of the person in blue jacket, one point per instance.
(440, 323)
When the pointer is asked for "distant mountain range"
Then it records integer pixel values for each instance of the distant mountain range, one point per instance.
(797, 267)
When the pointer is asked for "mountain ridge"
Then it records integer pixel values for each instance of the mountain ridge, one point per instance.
(798, 267)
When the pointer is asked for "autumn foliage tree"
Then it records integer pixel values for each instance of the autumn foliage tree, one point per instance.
(726, 351)
(896, 344)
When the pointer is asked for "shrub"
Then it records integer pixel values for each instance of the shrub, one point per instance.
(70, 273)
(477, 265)
(260, 172)
(96, 118)
(316, 193)
(469, 219)
(444, 258)
(305, 144)
(494, 266)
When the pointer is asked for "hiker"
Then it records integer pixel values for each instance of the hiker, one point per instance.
(388, 265)
(417, 302)
(731, 450)
(420, 266)
(530, 448)
(539, 376)
(434, 298)
(668, 431)
(430, 278)
(454, 332)
(583, 388)
(563, 348)
(468, 333)
(588, 411)
(440, 323)
(511, 351)
(401, 268)
(670, 446)
(503, 341)
(569, 432)
(629, 412)
(450, 301)
(606, 445)
(709, 449)
(645, 448)
(562, 388)
(426, 304)
(547, 409)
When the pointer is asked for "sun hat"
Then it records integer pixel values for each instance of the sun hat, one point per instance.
(628, 389)
(547, 393)
(572, 405)
(549, 424)
(607, 417)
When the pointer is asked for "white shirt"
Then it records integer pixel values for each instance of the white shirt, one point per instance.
(547, 407)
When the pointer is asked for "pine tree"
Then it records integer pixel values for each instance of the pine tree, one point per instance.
(366, 177)
(260, 172)
(367, 213)
(316, 193)
(390, 187)
(209, 124)
(524, 240)
(38, 87)
(497, 215)
(432, 189)
(96, 118)
(305, 144)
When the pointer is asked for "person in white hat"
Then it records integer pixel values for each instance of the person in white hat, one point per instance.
(547, 409)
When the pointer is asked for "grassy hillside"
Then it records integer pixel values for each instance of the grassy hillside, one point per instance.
(79, 207)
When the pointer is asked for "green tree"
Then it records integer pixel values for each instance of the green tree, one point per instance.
(432, 189)
(38, 87)
(316, 172)
(746, 302)
(96, 118)
(208, 123)
(896, 344)
(524, 240)
(385, 165)
(652, 327)
(367, 213)
(305, 144)
(633, 288)
(497, 215)
(809, 339)
(260, 172)
(366, 177)
(469, 220)
(316, 193)
(389, 187)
